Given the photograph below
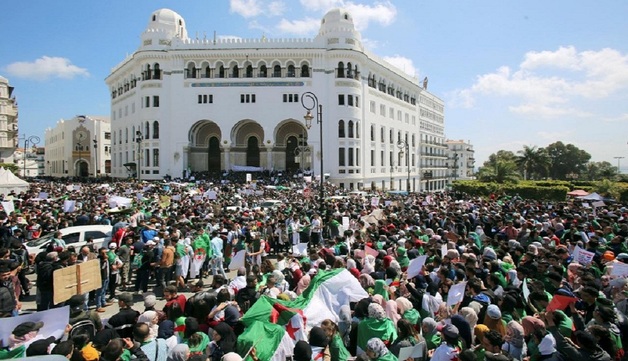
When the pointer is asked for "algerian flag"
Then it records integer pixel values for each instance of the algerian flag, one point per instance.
(271, 341)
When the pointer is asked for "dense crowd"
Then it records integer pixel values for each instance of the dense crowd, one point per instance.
(540, 280)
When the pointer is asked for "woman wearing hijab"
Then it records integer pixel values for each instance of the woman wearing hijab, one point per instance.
(430, 333)
(223, 341)
(197, 341)
(514, 342)
(471, 316)
(381, 288)
(535, 333)
(376, 351)
(493, 320)
(150, 318)
(319, 343)
(367, 282)
(391, 311)
(407, 310)
(479, 331)
(369, 265)
(180, 352)
(376, 325)
(166, 331)
(464, 329)
(379, 299)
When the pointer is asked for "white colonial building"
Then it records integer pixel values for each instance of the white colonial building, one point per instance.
(461, 160)
(79, 147)
(206, 105)
(8, 122)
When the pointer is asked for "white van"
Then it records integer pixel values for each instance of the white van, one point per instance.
(73, 236)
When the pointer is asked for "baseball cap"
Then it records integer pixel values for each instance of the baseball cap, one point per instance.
(127, 298)
(449, 330)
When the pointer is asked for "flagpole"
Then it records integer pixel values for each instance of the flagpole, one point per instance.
(252, 347)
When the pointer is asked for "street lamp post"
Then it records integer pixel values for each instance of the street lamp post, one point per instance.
(302, 150)
(308, 124)
(95, 157)
(404, 146)
(618, 164)
(33, 140)
(138, 138)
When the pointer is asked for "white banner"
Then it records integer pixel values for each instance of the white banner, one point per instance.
(415, 266)
(238, 260)
(456, 293)
(8, 207)
(69, 206)
(54, 321)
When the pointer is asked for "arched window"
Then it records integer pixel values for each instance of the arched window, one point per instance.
(157, 72)
(263, 71)
(208, 72)
(351, 129)
(147, 130)
(291, 71)
(221, 72)
(381, 135)
(341, 129)
(349, 71)
(155, 130)
(340, 72)
(413, 140)
(249, 71)
(372, 133)
(305, 71)
(190, 71)
(277, 71)
(391, 136)
(235, 71)
(357, 129)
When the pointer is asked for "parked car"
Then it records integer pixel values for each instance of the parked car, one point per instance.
(73, 236)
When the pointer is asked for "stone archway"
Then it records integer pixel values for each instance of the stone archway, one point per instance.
(205, 152)
(247, 139)
(291, 151)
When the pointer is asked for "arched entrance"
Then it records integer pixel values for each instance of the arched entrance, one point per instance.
(291, 157)
(213, 155)
(82, 169)
(252, 152)
(291, 145)
(205, 153)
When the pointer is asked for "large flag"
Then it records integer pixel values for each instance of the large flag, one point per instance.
(328, 291)
(271, 341)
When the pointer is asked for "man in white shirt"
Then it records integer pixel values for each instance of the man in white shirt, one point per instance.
(216, 261)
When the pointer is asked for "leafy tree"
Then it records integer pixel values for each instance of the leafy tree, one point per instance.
(533, 162)
(599, 170)
(11, 167)
(608, 188)
(503, 171)
(566, 159)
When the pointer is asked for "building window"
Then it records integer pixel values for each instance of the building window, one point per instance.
(350, 157)
(290, 98)
(263, 71)
(147, 130)
(372, 158)
(155, 130)
(291, 72)
(247, 98)
(350, 100)
(382, 110)
(305, 71)
(357, 157)
(221, 71)
(146, 102)
(372, 106)
(391, 135)
(372, 133)
(156, 157)
(277, 71)
(351, 129)
(381, 135)
(340, 72)
(108, 136)
(205, 98)
(341, 99)
(235, 72)
(341, 157)
(249, 71)
(341, 129)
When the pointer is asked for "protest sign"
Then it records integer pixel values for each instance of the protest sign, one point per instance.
(300, 249)
(582, 256)
(619, 269)
(54, 321)
(456, 293)
(238, 260)
(370, 251)
(69, 206)
(75, 280)
(8, 207)
(415, 266)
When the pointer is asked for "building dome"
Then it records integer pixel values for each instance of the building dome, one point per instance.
(338, 22)
(168, 22)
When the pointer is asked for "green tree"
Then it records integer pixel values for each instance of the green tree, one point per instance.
(608, 188)
(501, 171)
(11, 167)
(566, 159)
(533, 162)
(599, 170)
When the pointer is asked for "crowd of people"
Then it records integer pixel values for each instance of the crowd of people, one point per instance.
(540, 280)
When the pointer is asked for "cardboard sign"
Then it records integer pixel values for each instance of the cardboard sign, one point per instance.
(69, 206)
(581, 256)
(415, 266)
(619, 269)
(76, 280)
(375, 201)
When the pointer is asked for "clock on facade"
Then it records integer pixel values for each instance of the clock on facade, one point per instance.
(81, 135)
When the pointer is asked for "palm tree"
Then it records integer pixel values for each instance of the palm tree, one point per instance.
(502, 172)
(533, 162)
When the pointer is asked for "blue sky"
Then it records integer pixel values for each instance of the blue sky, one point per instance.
(511, 73)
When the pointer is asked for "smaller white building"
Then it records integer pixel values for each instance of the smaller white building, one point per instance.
(8, 122)
(460, 160)
(30, 161)
(79, 147)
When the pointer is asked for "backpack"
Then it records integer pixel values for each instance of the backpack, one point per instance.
(86, 326)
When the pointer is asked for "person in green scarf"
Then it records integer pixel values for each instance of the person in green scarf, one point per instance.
(376, 325)
(337, 347)
(402, 258)
(381, 289)
(197, 341)
(407, 310)
(430, 333)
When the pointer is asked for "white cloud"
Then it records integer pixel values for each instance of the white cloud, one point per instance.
(301, 27)
(553, 83)
(46, 67)
(403, 63)
(253, 8)
(383, 12)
